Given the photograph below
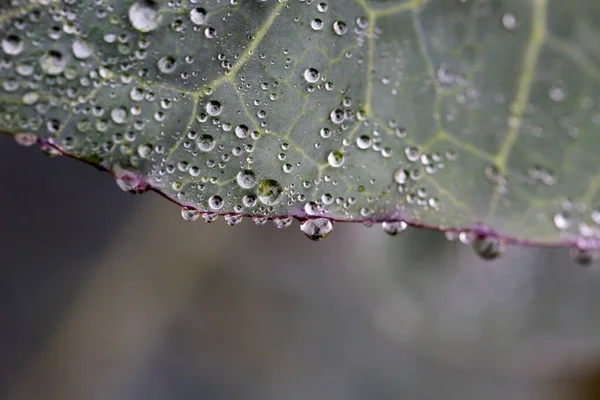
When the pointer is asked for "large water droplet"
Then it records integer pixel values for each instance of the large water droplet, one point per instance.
(489, 247)
(270, 192)
(340, 27)
(317, 229)
(214, 108)
(206, 143)
(144, 16)
(166, 64)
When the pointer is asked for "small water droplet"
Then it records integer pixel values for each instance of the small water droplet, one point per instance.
(166, 64)
(340, 27)
(317, 229)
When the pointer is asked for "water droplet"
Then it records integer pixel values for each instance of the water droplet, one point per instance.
(394, 228)
(241, 131)
(12, 45)
(214, 108)
(363, 142)
(233, 220)
(118, 115)
(583, 257)
(206, 143)
(509, 21)
(317, 229)
(210, 217)
(246, 179)
(166, 64)
(144, 16)
(335, 159)
(53, 62)
(215, 202)
(311, 75)
(316, 24)
(198, 16)
(81, 50)
(340, 27)
(190, 214)
(26, 139)
(270, 192)
(259, 220)
(337, 116)
(282, 222)
(489, 247)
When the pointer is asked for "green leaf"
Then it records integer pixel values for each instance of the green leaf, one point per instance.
(451, 114)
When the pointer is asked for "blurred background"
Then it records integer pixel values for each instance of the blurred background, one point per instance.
(105, 295)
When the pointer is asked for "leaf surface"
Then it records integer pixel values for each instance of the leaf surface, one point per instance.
(451, 114)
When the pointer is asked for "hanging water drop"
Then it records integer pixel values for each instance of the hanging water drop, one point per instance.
(489, 247)
(317, 229)
(282, 222)
(582, 256)
(394, 228)
(190, 214)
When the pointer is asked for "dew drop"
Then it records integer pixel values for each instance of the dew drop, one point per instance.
(166, 64)
(317, 229)
(282, 222)
(26, 139)
(198, 16)
(340, 27)
(214, 108)
(489, 247)
(53, 62)
(316, 24)
(311, 75)
(118, 115)
(12, 45)
(246, 179)
(144, 16)
(335, 159)
(206, 143)
(190, 214)
(241, 131)
(394, 228)
(509, 21)
(270, 192)
(215, 202)
(583, 257)
(233, 220)
(363, 142)
(81, 50)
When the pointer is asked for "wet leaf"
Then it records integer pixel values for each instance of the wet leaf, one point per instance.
(452, 114)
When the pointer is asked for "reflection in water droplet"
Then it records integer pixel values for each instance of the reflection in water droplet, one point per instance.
(488, 247)
(394, 228)
(317, 229)
(311, 75)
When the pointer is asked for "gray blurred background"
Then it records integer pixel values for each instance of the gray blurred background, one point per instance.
(104, 295)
